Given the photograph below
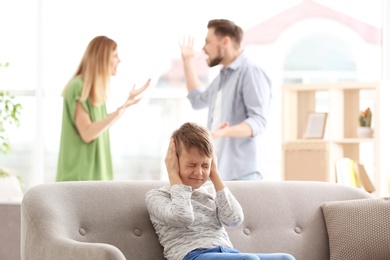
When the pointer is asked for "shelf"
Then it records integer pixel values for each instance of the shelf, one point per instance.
(336, 141)
(354, 140)
(327, 86)
(314, 159)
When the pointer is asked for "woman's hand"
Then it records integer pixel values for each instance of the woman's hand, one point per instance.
(132, 99)
(172, 164)
(134, 96)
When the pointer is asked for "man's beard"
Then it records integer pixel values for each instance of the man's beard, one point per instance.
(217, 60)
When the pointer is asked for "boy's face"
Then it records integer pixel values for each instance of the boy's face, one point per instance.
(194, 168)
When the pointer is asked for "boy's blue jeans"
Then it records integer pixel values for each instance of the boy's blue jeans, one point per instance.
(223, 253)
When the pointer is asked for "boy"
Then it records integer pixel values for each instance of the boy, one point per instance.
(189, 217)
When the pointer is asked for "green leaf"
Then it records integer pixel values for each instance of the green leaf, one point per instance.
(9, 116)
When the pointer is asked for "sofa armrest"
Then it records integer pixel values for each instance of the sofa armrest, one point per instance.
(71, 249)
(47, 240)
(64, 249)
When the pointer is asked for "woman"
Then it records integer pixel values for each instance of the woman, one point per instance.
(85, 152)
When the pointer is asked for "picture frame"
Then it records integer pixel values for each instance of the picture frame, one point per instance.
(315, 127)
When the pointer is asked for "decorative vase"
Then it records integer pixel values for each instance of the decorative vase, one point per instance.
(365, 132)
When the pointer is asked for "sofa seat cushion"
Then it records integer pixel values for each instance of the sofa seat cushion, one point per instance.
(358, 229)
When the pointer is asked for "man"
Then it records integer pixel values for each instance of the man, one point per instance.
(238, 99)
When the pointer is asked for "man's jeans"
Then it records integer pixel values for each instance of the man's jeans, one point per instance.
(223, 253)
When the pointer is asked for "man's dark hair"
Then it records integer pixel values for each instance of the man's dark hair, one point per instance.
(223, 27)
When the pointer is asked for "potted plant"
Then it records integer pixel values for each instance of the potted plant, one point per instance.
(9, 117)
(364, 130)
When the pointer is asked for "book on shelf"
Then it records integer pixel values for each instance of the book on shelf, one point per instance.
(352, 173)
(345, 172)
(363, 178)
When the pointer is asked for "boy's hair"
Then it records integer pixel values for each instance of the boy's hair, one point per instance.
(191, 135)
(223, 27)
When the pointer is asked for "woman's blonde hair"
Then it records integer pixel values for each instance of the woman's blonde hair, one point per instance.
(95, 70)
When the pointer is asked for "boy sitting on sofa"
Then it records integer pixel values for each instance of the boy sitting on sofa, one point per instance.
(189, 217)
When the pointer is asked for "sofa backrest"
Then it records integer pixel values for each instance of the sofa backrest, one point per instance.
(281, 216)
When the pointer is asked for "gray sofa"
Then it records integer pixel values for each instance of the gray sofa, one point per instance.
(9, 231)
(109, 220)
(11, 195)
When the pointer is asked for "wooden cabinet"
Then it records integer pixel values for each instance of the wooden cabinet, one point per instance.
(314, 159)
